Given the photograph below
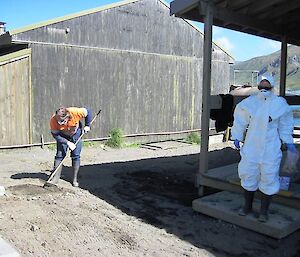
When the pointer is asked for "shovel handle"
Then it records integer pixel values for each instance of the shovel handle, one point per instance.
(95, 117)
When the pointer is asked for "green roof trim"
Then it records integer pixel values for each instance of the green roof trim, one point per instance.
(71, 16)
(14, 55)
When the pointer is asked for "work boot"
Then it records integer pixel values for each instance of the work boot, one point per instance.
(264, 209)
(76, 166)
(57, 175)
(247, 208)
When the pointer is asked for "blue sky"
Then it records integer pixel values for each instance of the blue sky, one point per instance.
(19, 13)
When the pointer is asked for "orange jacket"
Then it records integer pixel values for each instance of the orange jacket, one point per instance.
(70, 128)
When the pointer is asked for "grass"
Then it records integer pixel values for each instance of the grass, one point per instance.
(132, 145)
(89, 144)
(193, 138)
(52, 147)
(116, 139)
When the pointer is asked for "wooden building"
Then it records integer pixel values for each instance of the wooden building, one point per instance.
(142, 67)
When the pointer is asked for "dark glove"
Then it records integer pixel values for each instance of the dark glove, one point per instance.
(291, 147)
(237, 144)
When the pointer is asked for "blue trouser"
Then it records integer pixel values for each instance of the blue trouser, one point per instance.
(61, 148)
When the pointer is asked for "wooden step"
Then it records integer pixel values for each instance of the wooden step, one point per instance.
(224, 205)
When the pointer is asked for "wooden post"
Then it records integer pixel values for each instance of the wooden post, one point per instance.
(207, 57)
(42, 141)
(283, 66)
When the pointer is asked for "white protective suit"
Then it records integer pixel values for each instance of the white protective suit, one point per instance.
(269, 119)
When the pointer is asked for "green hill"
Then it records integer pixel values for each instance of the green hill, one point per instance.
(270, 64)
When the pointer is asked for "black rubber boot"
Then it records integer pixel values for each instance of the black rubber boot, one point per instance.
(76, 166)
(57, 175)
(247, 208)
(264, 209)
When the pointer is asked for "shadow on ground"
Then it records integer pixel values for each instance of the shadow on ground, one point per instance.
(160, 191)
(40, 175)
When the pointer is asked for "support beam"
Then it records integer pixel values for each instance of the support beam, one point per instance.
(237, 5)
(281, 10)
(187, 9)
(258, 20)
(283, 65)
(206, 89)
(178, 7)
(262, 6)
(229, 16)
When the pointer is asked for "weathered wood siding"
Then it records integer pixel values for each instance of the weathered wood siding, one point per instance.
(15, 102)
(142, 67)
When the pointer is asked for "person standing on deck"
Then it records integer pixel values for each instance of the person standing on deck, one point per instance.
(263, 122)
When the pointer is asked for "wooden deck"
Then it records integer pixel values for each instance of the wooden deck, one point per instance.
(226, 178)
(282, 221)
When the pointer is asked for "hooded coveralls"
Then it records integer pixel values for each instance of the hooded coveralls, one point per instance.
(262, 122)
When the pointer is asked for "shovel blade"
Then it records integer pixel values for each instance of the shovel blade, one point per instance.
(49, 184)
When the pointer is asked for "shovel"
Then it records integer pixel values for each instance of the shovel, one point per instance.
(48, 182)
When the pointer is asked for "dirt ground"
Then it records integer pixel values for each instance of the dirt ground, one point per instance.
(131, 202)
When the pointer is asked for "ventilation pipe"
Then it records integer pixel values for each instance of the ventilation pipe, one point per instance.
(2, 28)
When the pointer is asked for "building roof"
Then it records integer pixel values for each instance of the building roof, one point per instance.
(272, 19)
(71, 16)
(95, 10)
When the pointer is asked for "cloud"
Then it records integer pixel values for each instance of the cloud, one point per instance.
(217, 31)
(274, 45)
(225, 43)
(268, 46)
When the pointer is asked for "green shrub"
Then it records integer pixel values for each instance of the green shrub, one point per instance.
(52, 147)
(116, 138)
(193, 138)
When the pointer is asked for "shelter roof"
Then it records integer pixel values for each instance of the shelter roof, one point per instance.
(272, 19)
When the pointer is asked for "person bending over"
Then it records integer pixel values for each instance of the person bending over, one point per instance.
(66, 128)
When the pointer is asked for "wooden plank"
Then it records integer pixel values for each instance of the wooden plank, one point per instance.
(229, 16)
(281, 10)
(206, 89)
(14, 101)
(263, 6)
(282, 221)
(229, 173)
(179, 6)
(283, 65)
(206, 181)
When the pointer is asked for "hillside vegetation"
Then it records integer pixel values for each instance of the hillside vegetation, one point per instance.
(270, 64)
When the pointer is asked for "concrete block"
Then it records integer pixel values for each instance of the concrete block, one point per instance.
(2, 190)
(6, 250)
